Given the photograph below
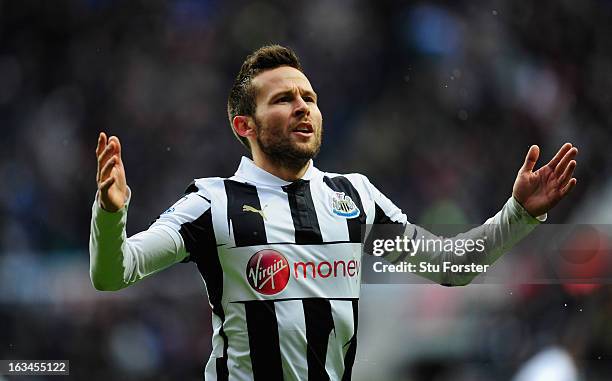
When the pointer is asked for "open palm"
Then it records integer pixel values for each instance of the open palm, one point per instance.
(538, 191)
(110, 176)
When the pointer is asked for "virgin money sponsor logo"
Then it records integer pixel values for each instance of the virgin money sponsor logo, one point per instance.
(326, 269)
(268, 272)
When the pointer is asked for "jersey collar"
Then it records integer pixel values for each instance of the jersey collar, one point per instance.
(247, 170)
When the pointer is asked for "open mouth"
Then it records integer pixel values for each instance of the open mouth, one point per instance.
(303, 129)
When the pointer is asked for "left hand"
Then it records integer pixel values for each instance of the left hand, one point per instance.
(539, 191)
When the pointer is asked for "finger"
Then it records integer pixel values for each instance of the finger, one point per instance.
(568, 188)
(99, 149)
(531, 158)
(109, 151)
(567, 174)
(562, 151)
(571, 154)
(108, 167)
(101, 143)
(107, 184)
(103, 158)
(117, 144)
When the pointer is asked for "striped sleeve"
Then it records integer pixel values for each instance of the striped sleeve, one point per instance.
(499, 234)
(385, 211)
(384, 221)
(379, 209)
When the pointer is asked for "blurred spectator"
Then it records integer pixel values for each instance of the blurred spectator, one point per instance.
(436, 102)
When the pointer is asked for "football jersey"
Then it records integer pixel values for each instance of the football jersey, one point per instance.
(282, 266)
(281, 262)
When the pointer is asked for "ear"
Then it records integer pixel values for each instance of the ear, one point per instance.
(244, 126)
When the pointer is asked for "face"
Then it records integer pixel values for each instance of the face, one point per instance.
(288, 120)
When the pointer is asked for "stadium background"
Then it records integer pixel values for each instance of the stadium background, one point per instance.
(437, 102)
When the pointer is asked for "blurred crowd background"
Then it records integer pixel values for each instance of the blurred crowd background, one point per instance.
(437, 102)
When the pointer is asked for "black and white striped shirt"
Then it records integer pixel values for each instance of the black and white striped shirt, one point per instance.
(296, 315)
(281, 262)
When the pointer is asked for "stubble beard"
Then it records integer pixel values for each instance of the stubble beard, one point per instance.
(283, 152)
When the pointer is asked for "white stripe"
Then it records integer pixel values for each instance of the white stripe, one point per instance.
(333, 227)
(210, 373)
(223, 231)
(277, 222)
(359, 182)
(292, 337)
(217, 349)
(238, 352)
(342, 313)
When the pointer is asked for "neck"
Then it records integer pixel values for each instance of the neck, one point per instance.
(283, 171)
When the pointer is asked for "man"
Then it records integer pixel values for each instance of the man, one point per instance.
(278, 244)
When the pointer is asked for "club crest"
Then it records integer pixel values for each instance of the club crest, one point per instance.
(343, 206)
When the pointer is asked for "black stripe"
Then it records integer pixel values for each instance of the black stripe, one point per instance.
(192, 187)
(342, 184)
(319, 324)
(200, 243)
(349, 358)
(248, 227)
(381, 218)
(303, 213)
(383, 228)
(199, 195)
(264, 342)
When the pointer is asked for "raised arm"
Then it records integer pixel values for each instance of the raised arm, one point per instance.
(115, 260)
(534, 194)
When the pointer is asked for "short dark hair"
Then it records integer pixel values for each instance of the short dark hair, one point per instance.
(241, 100)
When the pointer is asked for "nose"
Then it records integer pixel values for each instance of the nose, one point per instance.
(301, 108)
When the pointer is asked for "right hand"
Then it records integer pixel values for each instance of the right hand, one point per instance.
(110, 176)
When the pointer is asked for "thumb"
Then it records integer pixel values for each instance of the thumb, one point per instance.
(531, 159)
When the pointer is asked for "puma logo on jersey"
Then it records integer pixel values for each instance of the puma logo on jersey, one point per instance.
(249, 208)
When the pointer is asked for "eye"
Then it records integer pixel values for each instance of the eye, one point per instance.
(283, 99)
(308, 98)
